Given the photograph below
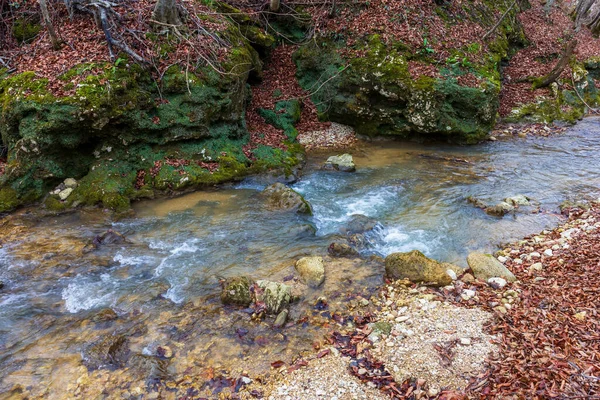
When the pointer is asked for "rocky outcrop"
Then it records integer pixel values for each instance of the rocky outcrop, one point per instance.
(311, 270)
(280, 197)
(416, 267)
(236, 291)
(485, 266)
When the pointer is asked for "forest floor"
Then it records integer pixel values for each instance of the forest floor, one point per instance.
(536, 338)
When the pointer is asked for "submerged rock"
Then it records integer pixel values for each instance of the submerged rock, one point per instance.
(109, 237)
(281, 318)
(280, 197)
(416, 267)
(518, 200)
(337, 249)
(500, 209)
(311, 270)
(359, 224)
(152, 369)
(485, 266)
(236, 291)
(105, 315)
(275, 295)
(342, 162)
(109, 351)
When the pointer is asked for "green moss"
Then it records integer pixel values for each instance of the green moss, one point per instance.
(8, 199)
(23, 30)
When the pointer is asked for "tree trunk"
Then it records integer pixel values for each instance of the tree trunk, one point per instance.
(587, 13)
(48, 23)
(166, 12)
(558, 68)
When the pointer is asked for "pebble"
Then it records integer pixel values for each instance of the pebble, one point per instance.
(548, 253)
(497, 282)
(535, 254)
(402, 318)
(536, 267)
(467, 294)
(465, 341)
(502, 259)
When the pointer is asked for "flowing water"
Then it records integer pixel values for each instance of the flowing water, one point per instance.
(163, 283)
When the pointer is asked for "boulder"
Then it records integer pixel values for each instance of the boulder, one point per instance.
(416, 267)
(337, 249)
(311, 270)
(359, 224)
(65, 193)
(485, 266)
(275, 295)
(280, 197)
(236, 291)
(109, 351)
(342, 162)
(70, 183)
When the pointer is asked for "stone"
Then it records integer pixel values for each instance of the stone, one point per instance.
(496, 282)
(152, 369)
(275, 295)
(105, 315)
(536, 267)
(70, 183)
(342, 162)
(65, 193)
(311, 270)
(467, 278)
(107, 351)
(518, 200)
(465, 341)
(337, 249)
(280, 197)
(467, 294)
(502, 259)
(281, 318)
(359, 224)
(485, 266)
(416, 267)
(236, 291)
(500, 209)
(548, 253)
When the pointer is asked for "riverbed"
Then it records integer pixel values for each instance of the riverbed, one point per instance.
(160, 287)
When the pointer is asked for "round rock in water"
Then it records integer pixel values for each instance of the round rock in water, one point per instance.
(236, 291)
(280, 197)
(342, 162)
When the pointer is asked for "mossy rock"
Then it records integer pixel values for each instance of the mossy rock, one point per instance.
(236, 291)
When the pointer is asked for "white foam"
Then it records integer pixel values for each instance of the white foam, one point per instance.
(395, 239)
(79, 296)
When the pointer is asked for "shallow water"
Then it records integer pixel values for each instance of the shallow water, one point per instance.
(164, 283)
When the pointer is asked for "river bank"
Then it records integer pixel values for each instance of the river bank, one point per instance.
(534, 338)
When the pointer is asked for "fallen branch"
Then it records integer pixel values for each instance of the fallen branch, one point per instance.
(558, 68)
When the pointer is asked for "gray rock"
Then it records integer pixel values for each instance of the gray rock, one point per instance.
(281, 318)
(416, 267)
(280, 197)
(152, 369)
(342, 162)
(485, 266)
(311, 270)
(500, 209)
(359, 224)
(109, 351)
(275, 295)
(236, 291)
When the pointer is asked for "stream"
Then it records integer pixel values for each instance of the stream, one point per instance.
(161, 286)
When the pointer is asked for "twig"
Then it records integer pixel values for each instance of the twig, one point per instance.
(592, 110)
(499, 21)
